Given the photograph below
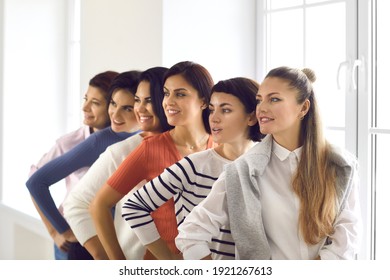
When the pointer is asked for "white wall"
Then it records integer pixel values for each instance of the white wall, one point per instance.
(219, 34)
(119, 35)
(23, 237)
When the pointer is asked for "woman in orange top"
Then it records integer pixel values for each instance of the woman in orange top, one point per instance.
(187, 88)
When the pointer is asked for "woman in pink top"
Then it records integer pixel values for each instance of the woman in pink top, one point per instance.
(187, 88)
(95, 106)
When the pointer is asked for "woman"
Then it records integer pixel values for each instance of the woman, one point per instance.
(187, 87)
(96, 117)
(292, 196)
(123, 125)
(235, 129)
(152, 120)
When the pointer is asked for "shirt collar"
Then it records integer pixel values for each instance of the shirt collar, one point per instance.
(282, 153)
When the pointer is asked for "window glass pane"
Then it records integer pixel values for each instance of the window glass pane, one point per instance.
(383, 61)
(382, 197)
(336, 137)
(278, 4)
(324, 56)
(316, 1)
(34, 91)
(285, 41)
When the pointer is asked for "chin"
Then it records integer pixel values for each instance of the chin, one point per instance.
(118, 129)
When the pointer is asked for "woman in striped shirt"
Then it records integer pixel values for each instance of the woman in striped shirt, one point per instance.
(235, 128)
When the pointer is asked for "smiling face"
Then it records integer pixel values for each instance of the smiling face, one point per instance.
(95, 109)
(277, 111)
(143, 109)
(229, 121)
(121, 111)
(181, 103)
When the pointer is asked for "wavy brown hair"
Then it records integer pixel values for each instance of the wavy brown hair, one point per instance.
(315, 180)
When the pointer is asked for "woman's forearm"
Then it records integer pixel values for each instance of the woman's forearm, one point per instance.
(100, 208)
(95, 248)
(104, 224)
(160, 250)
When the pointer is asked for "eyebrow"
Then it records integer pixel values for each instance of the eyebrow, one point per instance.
(270, 94)
(222, 105)
(148, 97)
(177, 89)
(127, 106)
(180, 89)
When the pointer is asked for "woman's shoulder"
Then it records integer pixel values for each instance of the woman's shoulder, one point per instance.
(253, 161)
(125, 146)
(74, 137)
(207, 157)
(158, 139)
(259, 150)
(341, 156)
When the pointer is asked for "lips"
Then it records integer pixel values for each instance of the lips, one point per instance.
(216, 130)
(115, 122)
(143, 119)
(88, 117)
(172, 111)
(264, 120)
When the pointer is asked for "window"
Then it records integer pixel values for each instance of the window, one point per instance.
(379, 132)
(300, 34)
(34, 92)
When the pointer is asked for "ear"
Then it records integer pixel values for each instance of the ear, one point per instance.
(252, 119)
(204, 104)
(305, 108)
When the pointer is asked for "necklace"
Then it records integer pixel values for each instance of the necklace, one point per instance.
(201, 143)
(192, 147)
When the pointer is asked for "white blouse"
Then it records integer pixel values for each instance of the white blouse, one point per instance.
(76, 207)
(280, 216)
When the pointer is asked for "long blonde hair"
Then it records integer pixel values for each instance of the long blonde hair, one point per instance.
(314, 181)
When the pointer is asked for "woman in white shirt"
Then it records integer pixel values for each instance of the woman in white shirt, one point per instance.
(292, 196)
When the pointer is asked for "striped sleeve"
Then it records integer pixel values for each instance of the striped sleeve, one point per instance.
(181, 181)
(136, 211)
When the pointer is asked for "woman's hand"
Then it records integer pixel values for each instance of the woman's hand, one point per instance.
(60, 241)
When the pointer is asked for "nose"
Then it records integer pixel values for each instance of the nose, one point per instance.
(86, 106)
(141, 107)
(169, 99)
(260, 108)
(214, 117)
(114, 112)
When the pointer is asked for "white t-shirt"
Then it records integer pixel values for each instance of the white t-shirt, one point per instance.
(76, 207)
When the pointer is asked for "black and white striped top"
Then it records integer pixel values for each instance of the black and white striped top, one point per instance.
(188, 181)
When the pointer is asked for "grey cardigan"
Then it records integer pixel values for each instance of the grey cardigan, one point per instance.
(243, 196)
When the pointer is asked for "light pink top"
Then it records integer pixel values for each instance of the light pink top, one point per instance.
(63, 145)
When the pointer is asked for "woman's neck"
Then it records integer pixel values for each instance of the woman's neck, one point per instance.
(190, 140)
(290, 143)
(149, 133)
(232, 151)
